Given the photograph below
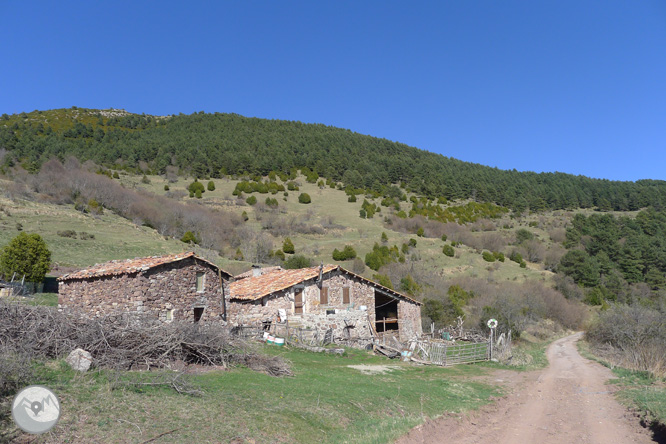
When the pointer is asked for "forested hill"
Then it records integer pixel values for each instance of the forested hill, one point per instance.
(216, 144)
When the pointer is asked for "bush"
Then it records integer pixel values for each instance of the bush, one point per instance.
(211, 186)
(67, 233)
(383, 279)
(637, 335)
(197, 193)
(288, 246)
(26, 255)
(166, 187)
(346, 254)
(449, 250)
(351, 198)
(444, 237)
(189, 237)
(304, 198)
(195, 186)
(115, 175)
(271, 202)
(145, 179)
(279, 254)
(420, 232)
(251, 200)
(488, 256)
(297, 261)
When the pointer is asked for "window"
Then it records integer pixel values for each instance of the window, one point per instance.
(298, 301)
(201, 278)
(198, 312)
(169, 315)
(323, 296)
(345, 295)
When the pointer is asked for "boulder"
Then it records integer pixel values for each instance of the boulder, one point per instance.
(79, 359)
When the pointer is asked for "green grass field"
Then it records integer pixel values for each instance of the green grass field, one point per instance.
(326, 401)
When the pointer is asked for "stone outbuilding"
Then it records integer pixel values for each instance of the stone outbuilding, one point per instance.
(178, 286)
(326, 297)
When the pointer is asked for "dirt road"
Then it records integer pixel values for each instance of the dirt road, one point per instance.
(567, 402)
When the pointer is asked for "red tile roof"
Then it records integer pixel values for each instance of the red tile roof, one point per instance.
(253, 288)
(116, 268)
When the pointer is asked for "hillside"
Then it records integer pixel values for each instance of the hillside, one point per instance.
(243, 191)
(214, 145)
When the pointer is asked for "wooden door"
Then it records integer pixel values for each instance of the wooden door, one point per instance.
(298, 301)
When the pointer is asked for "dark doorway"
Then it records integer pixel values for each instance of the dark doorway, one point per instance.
(198, 312)
(386, 313)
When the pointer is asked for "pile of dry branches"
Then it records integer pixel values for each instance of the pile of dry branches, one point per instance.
(122, 342)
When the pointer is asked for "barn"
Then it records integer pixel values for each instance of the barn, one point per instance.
(173, 287)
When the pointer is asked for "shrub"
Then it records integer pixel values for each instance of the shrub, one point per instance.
(67, 233)
(195, 186)
(211, 186)
(166, 187)
(297, 261)
(245, 216)
(362, 213)
(351, 198)
(449, 250)
(197, 193)
(412, 243)
(189, 237)
(346, 254)
(420, 232)
(279, 254)
(115, 175)
(26, 255)
(291, 186)
(384, 237)
(271, 202)
(288, 246)
(85, 236)
(251, 200)
(145, 179)
(304, 198)
(523, 235)
(384, 280)
(488, 256)
(444, 237)
(516, 257)
(239, 255)
(499, 256)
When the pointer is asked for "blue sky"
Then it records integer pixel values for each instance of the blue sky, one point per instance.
(570, 86)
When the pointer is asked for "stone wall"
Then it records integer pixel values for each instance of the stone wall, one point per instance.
(154, 292)
(409, 320)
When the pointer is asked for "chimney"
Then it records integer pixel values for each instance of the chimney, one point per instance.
(256, 270)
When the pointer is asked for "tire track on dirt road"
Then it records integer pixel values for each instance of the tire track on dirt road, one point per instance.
(568, 402)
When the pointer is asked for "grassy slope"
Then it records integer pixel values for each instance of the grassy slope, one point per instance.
(360, 233)
(325, 401)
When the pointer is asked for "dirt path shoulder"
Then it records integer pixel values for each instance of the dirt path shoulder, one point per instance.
(568, 402)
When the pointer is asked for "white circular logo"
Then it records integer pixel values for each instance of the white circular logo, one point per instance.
(492, 323)
(36, 409)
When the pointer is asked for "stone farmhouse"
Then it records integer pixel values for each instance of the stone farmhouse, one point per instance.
(179, 286)
(326, 297)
